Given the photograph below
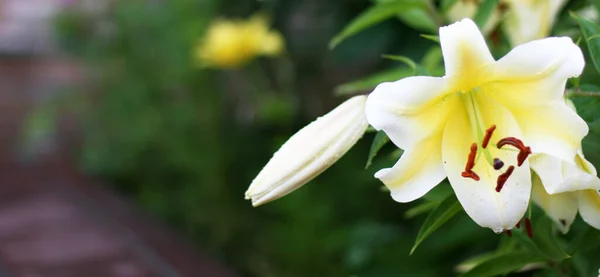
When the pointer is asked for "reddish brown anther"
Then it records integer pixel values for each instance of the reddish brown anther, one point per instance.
(508, 233)
(488, 136)
(528, 228)
(503, 177)
(471, 159)
(524, 151)
(522, 156)
(517, 143)
(518, 224)
(468, 173)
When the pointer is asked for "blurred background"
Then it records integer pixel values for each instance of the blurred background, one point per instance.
(125, 153)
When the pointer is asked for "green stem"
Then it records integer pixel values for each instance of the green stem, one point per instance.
(578, 93)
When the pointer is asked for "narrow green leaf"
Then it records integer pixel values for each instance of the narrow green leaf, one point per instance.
(440, 215)
(370, 82)
(431, 37)
(378, 142)
(439, 193)
(582, 239)
(419, 209)
(544, 242)
(432, 58)
(502, 264)
(591, 32)
(372, 16)
(417, 69)
(419, 18)
(446, 5)
(484, 12)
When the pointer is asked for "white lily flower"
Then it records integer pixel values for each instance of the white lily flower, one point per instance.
(565, 186)
(310, 151)
(582, 194)
(478, 124)
(528, 20)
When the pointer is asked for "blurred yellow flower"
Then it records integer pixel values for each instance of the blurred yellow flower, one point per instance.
(231, 43)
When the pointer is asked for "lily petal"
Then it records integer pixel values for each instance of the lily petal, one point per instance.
(535, 73)
(310, 151)
(408, 110)
(530, 82)
(487, 207)
(563, 176)
(552, 129)
(416, 173)
(560, 207)
(464, 49)
(589, 207)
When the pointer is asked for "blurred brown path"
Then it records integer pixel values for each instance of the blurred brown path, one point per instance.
(55, 222)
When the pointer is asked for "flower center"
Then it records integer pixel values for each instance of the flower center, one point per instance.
(482, 145)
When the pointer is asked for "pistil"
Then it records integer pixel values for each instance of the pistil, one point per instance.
(498, 164)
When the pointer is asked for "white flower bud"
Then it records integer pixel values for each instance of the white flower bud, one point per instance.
(310, 151)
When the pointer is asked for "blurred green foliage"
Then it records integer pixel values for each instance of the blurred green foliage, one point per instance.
(186, 142)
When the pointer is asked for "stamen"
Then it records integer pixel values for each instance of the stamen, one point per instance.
(503, 177)
(498, 164)
(524, 151)
(488, 136)
(517, 143)
(528, 228)
(522, 156)
(518, 224)
(508, 233)
(468, 173)
(471, 160)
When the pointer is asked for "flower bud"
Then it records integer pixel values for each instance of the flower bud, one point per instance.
(310, 151)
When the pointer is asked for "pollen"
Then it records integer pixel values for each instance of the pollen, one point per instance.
(522, 156)
(488, 136)
(503, 177)
(468, 173)
(524, 151)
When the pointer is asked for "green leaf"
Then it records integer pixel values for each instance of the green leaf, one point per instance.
(417, 69)
(440, 215)
(484, 12)
(502, 264)
(591, 34)
(544, 242)
(432, 59)
(419, 18)
(431, 37)
(446, 5)
(378, 142)
(370, 82)
(591, 143)
(419, 209)
(372, 16)
(582, 239)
